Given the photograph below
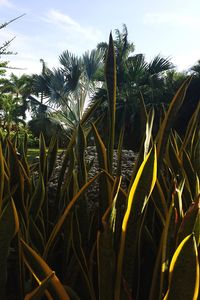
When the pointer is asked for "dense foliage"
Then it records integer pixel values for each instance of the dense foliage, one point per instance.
(136, 243)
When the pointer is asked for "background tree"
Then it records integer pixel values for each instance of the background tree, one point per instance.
(10, 110)
(135, 77)
(68, 88)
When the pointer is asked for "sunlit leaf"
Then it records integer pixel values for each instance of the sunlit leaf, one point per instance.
(184, 272)
(137, 200)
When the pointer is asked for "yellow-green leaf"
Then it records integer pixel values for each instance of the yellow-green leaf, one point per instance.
(111, 82)
(37, 199)
(40, 270)
(61, 221)
(184, 272)
(167, 123)
(137, 200)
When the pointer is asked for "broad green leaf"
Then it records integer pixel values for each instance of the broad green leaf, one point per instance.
(105, 248)
(105, 185)
(9, 226)
(196, 156)
(119, 152)
(144, 148)
(87, 114)
(143, 113)
(43, 156)
(111, 82)
(64, 193)
(191, 223)
(40, 270)
(174, 160)
(191, 128)
(81, 145)
(37, 199)
(160, 202)
(189, 172)
(16, 180)
(59, 224)
(106, 264)
(101, 149)
(155, 284)
(168, 121)
(167, 245)
(137, 199)
(184, 272)
(65, 163)
(51, 156)
(81, 258)
(36, 237)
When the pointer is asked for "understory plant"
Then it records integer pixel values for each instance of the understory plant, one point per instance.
(139, 242)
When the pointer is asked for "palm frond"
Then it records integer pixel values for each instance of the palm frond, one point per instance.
(159, 65)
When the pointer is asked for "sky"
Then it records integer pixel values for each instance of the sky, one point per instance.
(170, 28)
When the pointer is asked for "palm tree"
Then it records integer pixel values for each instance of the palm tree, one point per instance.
(135, 76)
(196, 68)
(14, 94)
(68, 87)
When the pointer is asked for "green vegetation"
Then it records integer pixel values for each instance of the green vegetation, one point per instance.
(136, 243)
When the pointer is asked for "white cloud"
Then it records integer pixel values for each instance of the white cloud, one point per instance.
(48, 41)
(71, 26)
(172, 19)
(6, 3)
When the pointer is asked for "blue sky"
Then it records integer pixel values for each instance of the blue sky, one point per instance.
(49, 27)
